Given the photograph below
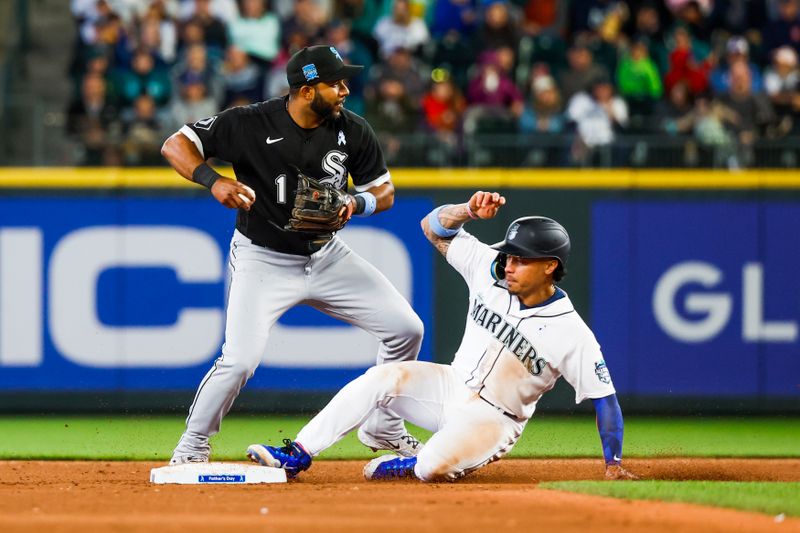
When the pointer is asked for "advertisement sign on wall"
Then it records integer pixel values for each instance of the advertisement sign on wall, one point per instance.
(698, 298)
(128, 293)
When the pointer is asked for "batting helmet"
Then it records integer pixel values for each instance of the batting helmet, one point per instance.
(533, 237)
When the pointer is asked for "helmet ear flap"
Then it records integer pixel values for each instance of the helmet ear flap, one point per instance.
(498, 268)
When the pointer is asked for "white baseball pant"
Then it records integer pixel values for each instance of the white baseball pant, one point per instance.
(469, 432)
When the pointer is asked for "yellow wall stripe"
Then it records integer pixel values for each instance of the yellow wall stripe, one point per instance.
(487, 178)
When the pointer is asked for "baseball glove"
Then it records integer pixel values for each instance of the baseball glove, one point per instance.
(318, 207)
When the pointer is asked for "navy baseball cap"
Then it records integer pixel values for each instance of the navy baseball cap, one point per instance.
(314, 64)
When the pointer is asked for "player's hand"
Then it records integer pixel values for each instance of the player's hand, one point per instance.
(233, 194)
(616, 472)
(346, 212)
(486, 204)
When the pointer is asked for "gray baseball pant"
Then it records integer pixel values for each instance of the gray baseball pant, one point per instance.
(264, 284)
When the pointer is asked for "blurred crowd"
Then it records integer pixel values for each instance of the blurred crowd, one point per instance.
(719, 75)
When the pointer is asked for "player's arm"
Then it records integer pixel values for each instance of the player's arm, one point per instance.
(184, 156)
(384, 196)
(610, 427)
(373, 200)
(443, 223)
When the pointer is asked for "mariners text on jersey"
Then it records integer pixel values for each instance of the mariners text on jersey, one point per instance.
(507, 334)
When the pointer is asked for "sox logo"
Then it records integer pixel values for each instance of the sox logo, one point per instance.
(333, 164)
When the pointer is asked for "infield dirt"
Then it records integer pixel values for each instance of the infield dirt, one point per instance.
(56, 496)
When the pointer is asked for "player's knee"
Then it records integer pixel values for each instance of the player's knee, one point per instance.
(244, 371)
(431, 467)
(387, 379)
(403, 335)
(417, 329)
(242, 357)
(411, 330)
(240, 367)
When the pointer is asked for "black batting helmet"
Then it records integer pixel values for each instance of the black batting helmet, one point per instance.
(533, 237)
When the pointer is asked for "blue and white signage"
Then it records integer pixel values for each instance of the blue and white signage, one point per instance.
(698, 298)
(128, 293)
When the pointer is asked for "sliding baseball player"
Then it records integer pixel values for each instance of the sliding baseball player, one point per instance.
(522, 334)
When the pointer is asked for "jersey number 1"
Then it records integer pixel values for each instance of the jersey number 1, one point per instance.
(280, 182)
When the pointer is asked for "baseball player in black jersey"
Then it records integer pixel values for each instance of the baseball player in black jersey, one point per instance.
(273, 268)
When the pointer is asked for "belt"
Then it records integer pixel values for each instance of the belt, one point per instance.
(513, 417)
(310, 247)
(304, 247)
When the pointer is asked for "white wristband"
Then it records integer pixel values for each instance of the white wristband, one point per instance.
(436, 225)
(370, 204)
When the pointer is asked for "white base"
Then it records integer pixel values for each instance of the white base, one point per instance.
(216, 473)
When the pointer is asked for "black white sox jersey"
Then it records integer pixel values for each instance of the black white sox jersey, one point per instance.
(511, 355)
(262, 142)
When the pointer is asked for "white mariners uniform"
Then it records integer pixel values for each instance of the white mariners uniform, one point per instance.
(479, 404)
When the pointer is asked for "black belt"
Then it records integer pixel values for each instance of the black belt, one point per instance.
(513, 417)
(310, 247)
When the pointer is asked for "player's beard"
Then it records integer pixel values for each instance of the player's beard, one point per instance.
(322, 108)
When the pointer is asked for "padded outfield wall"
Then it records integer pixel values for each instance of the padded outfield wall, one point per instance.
(112, 287)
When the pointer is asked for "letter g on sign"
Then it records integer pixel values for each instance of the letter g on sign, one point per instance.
(716, 307)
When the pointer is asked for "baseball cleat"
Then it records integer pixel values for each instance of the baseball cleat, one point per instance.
(405, 445)
(184, 459)
(291, 457)
(390, 467)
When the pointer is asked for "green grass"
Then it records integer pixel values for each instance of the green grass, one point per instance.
(153, 438)
(763, 497)
(667, 437)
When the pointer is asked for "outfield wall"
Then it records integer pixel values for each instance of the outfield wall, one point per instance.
(112, 286)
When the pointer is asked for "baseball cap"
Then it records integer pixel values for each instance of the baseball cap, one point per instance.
(314, 64)
(737, 45)
(543, 83)
(786, 55)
